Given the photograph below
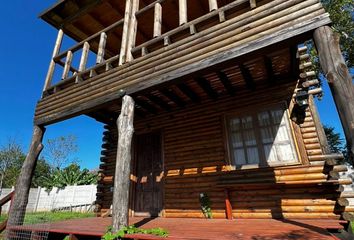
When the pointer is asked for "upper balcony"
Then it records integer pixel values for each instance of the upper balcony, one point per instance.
(137, 44)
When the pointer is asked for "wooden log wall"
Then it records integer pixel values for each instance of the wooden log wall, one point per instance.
(196, 161)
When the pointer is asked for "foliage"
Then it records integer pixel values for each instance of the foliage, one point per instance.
(11, 160)
(342, 16)
(67, 237)
(205, 204)
(133, 230)
(336, 143)
(45, 217)
(59, 150)
(69, 176)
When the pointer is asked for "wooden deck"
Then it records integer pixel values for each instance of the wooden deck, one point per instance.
(192, 229)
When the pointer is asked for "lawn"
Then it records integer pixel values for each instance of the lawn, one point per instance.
(47, 217)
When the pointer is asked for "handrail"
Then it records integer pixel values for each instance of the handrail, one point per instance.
(3, 201)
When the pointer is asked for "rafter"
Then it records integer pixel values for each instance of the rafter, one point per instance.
(173, 97)
(226, 82)
(145, 105)
(206, 86)
(247, 77)
(158, 101)
(188, 92)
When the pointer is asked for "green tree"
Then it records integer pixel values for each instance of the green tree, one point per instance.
(336, 143)
(69, 176)
(11, 160)
(342, 15)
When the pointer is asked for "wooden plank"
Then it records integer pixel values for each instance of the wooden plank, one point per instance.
(133, 27)
(123, 161)
(157, 20)
(126, 21)
(228, 206)
(158, 101)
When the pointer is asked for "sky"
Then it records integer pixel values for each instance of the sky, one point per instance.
(26, 46)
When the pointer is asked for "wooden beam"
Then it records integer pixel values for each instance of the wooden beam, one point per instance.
(79, 11)
(157, 20)
(120, 213)
(173, 97)
(226, 82)
(206, 86)
(253, 4)
(49, 77)
(188, 92)
(133, 28)
(158, 101)
(123, 47)
(247, 77)
(182, 10)
(339, 80)
(145, 105)
(270, 72)
(294, 62)
(23, 183)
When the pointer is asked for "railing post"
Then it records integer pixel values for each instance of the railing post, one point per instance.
(213, 5)
(157, 20)
(253, 4)
(182, 12)
(123, 47)
(101, 48)
(83, 60)
(49, 77)
(133, 27)
(68, 61)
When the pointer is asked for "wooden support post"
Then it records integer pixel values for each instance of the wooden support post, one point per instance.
(182, 12)
(157, 20)
(20, 199)
(213, 5)
(101, 48)
(68, 61)
(253, 4)
(83, 60)
(339, 80)
(228, 207)
(133, 28)
(123, 162)
(49, 77)
(123, 46)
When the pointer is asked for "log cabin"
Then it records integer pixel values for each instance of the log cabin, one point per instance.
(202, 99)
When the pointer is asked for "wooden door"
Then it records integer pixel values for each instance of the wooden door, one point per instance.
(149, 172)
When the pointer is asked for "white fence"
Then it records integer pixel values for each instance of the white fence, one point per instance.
(73, 198)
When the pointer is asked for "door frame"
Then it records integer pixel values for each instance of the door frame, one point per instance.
(133, 178)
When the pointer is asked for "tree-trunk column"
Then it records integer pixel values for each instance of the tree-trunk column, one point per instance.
(123, 162)
(339, 79)
(23, 184)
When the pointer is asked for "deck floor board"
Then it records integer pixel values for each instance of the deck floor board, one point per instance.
(205, 229)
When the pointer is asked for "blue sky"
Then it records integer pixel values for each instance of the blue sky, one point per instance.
(26, 46)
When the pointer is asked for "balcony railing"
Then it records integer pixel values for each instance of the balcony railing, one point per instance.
(129, 47)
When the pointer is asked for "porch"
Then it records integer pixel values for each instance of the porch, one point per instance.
(192, 228)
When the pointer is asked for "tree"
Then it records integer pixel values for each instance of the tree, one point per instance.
(11, 160)
(69, 176)
(59, 150)
(336, 143)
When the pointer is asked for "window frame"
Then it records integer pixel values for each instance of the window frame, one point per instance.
(262, 159)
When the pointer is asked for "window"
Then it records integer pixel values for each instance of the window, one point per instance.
(261, 138)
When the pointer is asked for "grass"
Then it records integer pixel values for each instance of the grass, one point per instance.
(48, 217)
